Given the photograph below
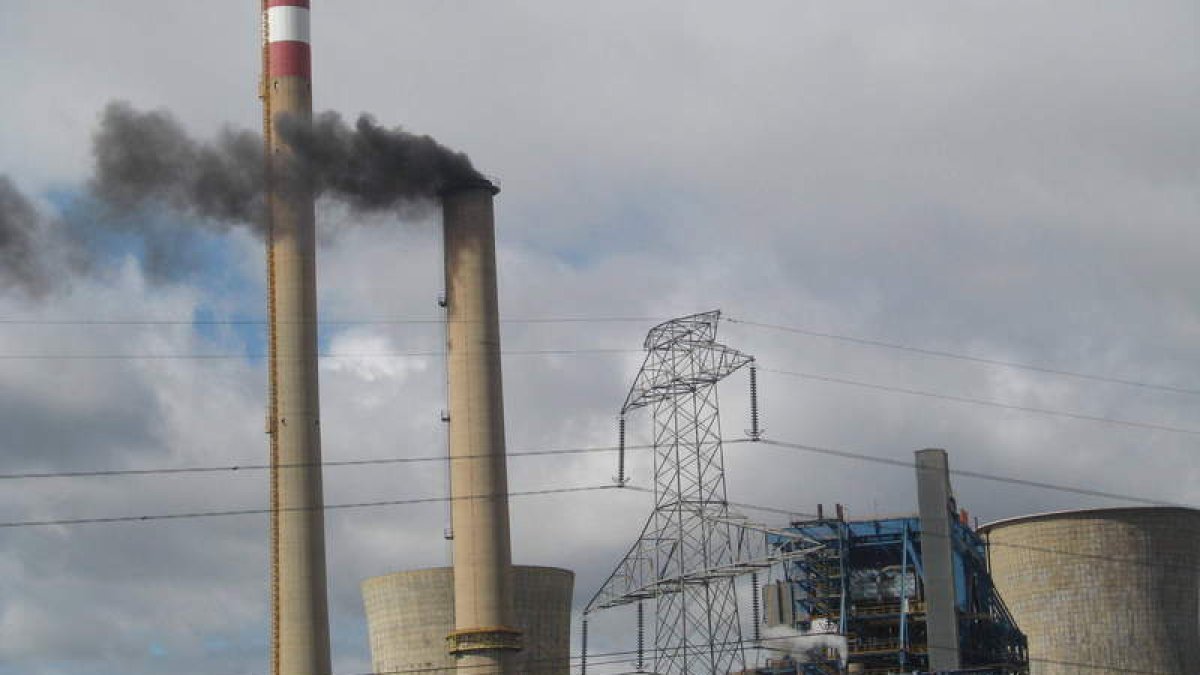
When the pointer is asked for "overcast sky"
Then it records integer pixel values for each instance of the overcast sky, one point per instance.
(1015, 181)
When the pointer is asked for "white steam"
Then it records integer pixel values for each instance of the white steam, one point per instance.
(813, 646)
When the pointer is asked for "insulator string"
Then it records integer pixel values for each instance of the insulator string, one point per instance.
(755, 433)
(641, 638)
(583, 647)
(754, 608)
(621, 479)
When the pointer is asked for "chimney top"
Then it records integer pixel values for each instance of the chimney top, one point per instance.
(476, 183)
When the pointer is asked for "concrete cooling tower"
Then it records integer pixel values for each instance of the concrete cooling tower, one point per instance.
(1104, 590)
(409, 615)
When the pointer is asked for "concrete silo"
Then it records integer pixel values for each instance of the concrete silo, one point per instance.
(1104, 590)
(409, 615)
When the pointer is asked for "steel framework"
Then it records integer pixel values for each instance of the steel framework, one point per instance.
(866, 580)
(691, 548)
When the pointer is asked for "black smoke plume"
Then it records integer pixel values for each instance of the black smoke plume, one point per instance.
(21, 264)
(370, 167)
(146, 158)
(149, 171)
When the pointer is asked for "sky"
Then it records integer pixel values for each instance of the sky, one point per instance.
(1012, 181)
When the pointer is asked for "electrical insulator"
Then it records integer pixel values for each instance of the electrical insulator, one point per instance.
(754, 607)
(641, 638)
(621, 452)
(583, 649)
(755, 433)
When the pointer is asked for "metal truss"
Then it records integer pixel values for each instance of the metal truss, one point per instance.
(692, 547)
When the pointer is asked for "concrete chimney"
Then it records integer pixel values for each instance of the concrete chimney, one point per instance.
(937, 556)
(484, 637)
(300, 617)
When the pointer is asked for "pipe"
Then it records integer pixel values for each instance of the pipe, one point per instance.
(300, 615)
(484, 636)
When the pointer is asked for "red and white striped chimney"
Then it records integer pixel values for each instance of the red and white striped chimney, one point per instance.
(300, 615)
(288, 39)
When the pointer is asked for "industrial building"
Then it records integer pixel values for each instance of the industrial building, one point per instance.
(865, 582)
(869, 595)
(409, 615)
(1103, 590)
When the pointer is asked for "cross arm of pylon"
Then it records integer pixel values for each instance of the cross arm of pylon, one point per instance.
(676, 583)
(634, 572)
(634, 577)
(658, 380)
(746, 526)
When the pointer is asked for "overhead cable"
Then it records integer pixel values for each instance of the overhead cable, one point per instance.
(374, 461)
(984, 402)
(814, 449)
(617, 657)
(967, 357)
(320, 355)
(321, 322)
(265, 511)
(1011, 480)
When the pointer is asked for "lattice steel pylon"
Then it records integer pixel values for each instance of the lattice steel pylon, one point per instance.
(688, 553)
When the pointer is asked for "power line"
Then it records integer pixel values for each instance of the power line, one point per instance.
(1097, 557)
(320, 355)
(445, 459)
(984, 402)
(618, 657)
(967, 357)
(264, 511)
(566, 451)
(568, 490)
(987, 541)
(813, 449)
(1011, 480)
(321, 322)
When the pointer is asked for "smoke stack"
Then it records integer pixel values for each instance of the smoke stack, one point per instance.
(937, 555)
(300, 615)
(484, 637)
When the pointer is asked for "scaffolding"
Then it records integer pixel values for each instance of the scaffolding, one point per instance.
(864, 581)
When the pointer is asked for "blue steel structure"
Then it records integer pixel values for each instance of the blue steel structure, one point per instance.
(864, 581)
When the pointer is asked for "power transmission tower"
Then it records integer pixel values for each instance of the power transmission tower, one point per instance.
(690, 549)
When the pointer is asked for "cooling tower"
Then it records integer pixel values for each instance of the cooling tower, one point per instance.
(410, 613)
(299, 612)
(1105, 590)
